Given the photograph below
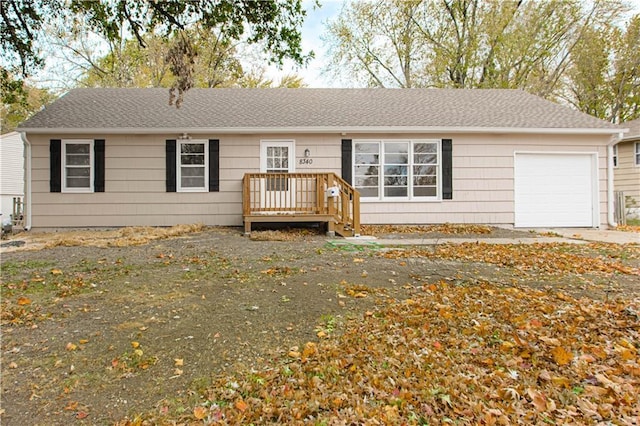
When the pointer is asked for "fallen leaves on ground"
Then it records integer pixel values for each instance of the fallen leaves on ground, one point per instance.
(463, 354)
(551, 258)
(19, 312)
(122, 237)
(628, 228)
(282, 235)
(446, 228)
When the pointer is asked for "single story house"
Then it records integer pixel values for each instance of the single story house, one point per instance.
(626, 172)
(125, 157)
(11, 172)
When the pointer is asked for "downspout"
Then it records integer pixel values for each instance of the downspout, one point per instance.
(611, 220)
(27, 180)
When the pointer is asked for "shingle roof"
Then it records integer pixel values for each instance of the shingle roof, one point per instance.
(634, 129)
(308, 109)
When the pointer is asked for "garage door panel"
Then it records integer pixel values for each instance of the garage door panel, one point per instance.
(554, 190)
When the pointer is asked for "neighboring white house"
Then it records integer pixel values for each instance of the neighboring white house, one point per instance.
(11, 171)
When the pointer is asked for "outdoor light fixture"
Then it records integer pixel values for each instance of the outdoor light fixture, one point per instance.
(307, 153)
(185, 137)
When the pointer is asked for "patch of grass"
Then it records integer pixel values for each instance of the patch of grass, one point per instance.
(339, 245)
(12, 269)
(328, 324)
(132, 361)
(200, 384)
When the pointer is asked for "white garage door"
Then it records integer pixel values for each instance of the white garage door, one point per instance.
(555, 190)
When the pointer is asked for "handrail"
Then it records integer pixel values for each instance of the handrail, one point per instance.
(347, 209)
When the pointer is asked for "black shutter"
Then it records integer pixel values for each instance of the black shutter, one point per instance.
(214, 165)
(347, 166)
(171, 165)
(98, 174)
(447, 169)
(55, 165)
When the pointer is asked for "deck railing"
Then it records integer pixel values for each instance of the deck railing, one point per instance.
(281, 197)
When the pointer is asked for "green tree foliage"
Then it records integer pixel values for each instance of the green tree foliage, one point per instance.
(216, 64)
(604, 77)
(130, 65)
(626, 74)
(556, 49)
(272, 23)
(24, 102)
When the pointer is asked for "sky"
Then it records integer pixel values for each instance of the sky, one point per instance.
(55, 69)
(312, 29)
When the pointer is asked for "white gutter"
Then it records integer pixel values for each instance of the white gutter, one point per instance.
(320, 129)
(27, 180)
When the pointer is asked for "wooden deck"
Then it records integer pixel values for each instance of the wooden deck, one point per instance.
(301, 197)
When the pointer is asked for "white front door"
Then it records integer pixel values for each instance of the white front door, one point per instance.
(277, 156)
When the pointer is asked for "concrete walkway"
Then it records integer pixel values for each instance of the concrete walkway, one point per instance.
(568, 235)
(596, 235)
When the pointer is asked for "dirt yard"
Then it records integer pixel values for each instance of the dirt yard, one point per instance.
(94, 335)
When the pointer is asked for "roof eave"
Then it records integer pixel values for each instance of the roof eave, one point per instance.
(319, 129)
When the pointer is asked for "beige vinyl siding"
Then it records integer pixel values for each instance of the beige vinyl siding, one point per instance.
(135, 180)
(483, 188)
(135, 192)
(627, 174)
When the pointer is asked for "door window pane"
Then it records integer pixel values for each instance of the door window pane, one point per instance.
(277, 161)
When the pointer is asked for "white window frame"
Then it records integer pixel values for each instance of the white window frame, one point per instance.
(615, 156)
(636, 153)
(91, 166)
(410, 186)
(179, 166)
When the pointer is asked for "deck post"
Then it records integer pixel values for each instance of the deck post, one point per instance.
(320, 207)
(246, 203)
(331, 207)
(356, 214)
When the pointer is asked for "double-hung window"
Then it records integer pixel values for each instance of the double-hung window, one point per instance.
(397, 169)
(192, 168)
(637, 153)
(77, 161)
